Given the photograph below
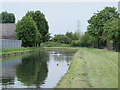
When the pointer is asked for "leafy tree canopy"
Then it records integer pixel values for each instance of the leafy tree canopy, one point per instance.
(112, 32)
(111, 29)
(26, 30)
(41, 23)
(60, 38)
(6, 17)
(97, 22)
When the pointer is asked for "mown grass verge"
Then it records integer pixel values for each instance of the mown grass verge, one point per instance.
(16, 50)
(91, 68)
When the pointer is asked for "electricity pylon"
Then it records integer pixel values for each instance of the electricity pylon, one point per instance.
(78, 28)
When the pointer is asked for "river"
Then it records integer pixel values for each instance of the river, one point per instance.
(39, 69)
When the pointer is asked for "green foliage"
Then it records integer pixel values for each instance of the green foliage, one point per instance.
(41, 23)
(76, 43)
(67, 38)
(53, 44)
(87, 40)
(112, 32)
(71, 36)
(6, 17)
(26, 30)
(111, 29)
(47, 37)
(103, 26)
(97, 21)
(61, 38)
(74, 39)
(35, 28)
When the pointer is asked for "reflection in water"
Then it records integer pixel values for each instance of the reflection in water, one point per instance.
(8, 71)
(65, 55)
(7, 81)
(33, 69)
(41, 69)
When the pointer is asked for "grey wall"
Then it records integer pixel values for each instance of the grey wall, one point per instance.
(7, 30)
(10, 43)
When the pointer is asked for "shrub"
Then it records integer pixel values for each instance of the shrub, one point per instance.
(53, 44)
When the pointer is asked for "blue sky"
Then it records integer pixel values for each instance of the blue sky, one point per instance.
(61, 16)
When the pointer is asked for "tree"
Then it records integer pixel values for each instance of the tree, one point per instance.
(41, 23)
(26, 30)
(71, 36)
(87, 40)
(60, 38)
(6, 17)
(97, 21)
(76, 43)
(68, 38)
(112, 32)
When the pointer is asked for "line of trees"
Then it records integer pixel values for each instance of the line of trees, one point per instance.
(32, 29)
(102, 32)
(74, 39)
(66, 39)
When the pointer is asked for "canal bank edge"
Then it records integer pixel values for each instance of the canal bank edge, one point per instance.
(17, 51)
(91, 68)
(24, 50)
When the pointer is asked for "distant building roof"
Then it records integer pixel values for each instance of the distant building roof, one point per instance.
(7, 30)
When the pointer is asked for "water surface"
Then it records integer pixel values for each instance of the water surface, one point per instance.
(40, 69)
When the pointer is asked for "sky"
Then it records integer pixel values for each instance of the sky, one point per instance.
(61, 16)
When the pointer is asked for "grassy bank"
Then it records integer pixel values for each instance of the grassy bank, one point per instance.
(16, 50)
(92, 68)
(25, 49)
